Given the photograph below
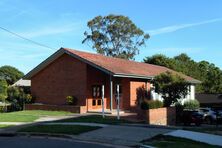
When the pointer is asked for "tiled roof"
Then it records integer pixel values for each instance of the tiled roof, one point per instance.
(118, 66)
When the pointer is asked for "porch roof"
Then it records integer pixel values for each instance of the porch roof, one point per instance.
(113, 66)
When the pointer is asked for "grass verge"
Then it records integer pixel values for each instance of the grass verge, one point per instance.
(96, 119)
(59, 129)
(4, 126)
(162, 141)
(29, 115)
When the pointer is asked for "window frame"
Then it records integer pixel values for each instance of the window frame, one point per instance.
(96, 88)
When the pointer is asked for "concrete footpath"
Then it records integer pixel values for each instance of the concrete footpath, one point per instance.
(109, 134)
(197, 136)
(117, 134)
(122, 135)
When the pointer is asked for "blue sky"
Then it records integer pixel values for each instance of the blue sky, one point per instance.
(190, 26)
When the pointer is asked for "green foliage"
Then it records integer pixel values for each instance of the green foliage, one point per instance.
(29, 99)
(171, 86)
(5, 108)
(160, 59)
(115, 35)
(13, 93)
(10, 74)
(191, 104)
(179, 112)
(208, 73)
(71, 100)
(179, 107)
(151, 104)
(3, 90)
(16, 97)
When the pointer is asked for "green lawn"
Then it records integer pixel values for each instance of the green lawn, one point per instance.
(96, 119)
(59, 129)
(162, 141)
(4, 126)
(29, 115)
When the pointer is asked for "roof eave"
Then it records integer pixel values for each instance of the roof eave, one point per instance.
(132, 76)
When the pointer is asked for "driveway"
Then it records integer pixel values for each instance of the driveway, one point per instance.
(23, 142)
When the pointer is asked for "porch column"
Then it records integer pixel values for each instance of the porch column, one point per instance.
(111, 93)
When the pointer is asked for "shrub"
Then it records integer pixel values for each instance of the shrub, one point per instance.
(29, 99)
(179, 107)
(191, 104)
(71, 100)
(16, 96)
(2, 109)
(179, 111)
(151, 104)
(3, 90)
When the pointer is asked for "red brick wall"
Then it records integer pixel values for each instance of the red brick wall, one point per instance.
(134, 85)
(69, 76)
(125, 102)
(65, 76)
(161, 116)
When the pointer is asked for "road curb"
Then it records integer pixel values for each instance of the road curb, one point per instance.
(59, 136)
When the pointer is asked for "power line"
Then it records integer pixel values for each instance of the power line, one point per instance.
(24, 38)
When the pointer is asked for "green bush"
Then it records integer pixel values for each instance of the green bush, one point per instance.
(3, 90)
(16, 96)
(2, 109)
(151, 104)
(7, 107)
(179, 111)
(191, 104)
(179, 107)
(29, 99)
(71, 100)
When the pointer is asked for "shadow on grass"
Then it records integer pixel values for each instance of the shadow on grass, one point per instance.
(162, 141)
(97, 119)
(59, 129)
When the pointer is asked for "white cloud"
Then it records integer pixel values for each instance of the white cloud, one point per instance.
(174, 28)
(51, 30)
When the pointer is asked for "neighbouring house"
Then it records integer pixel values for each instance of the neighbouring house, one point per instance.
(25, 85)
(22, 83)
(209, 100)
(75, 73)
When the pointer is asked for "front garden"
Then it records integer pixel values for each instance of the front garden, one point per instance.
(29, 115)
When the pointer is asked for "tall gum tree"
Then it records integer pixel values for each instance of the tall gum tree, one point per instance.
(115, 36)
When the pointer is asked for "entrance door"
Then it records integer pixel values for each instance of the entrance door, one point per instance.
(97, 96)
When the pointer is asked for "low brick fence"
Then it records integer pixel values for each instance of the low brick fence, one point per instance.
(70, 108)
(159, 116)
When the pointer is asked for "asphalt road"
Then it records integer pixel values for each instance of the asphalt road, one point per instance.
(26, 142)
